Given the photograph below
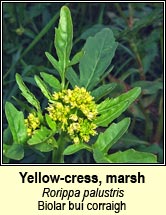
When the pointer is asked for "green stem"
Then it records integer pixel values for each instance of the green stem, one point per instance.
(63, 80)
(57, 154)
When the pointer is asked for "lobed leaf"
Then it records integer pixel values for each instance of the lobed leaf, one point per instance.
(30, 97)
(76, 58)
(112, 113)
(51, 80)
(43, 87)
(53, 61)
(129, 97)
(23, 105)
(110, 109)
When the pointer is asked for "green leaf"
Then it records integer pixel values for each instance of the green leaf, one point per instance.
(72, 77)
(112, 113)
(44, 147)
(5, 147)
(99, 51)
(15, 151)
(53, 61)
(26, 93)
(40, 136)
(50, 122)
(129, 97)
(71, 149)
(23, 105)
(99, 156)
(5, 159)
(16, 123)
(104, 105)
(43, 87)
(102, 91)
(64, 37)
(7, 136)
(110, 109)
(51, 80)
(112, 134)
(132, 156)
(76, 58)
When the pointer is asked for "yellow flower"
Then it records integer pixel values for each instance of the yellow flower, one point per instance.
(66, 109)
(90, 115)
(55, 96)
(66, 99)
(76, 140)
(73, 117)
(86, 138)
(74, 112)
(31, 116)
(70, 131)
(29, 131)
(32, 122)
(75, 126)
(59, 105)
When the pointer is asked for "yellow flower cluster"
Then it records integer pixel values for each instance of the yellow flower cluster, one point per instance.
(32, 122)
(74, 112)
